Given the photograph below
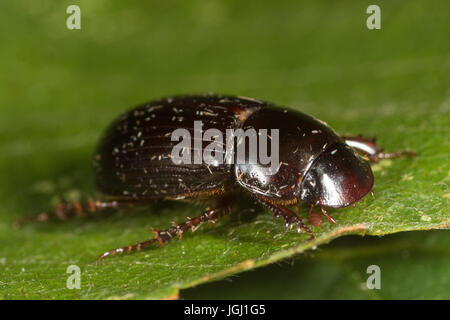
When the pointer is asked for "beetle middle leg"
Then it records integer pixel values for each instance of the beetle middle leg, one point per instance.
(372, 150)
(290, 218)
(177, 230)
(315, 218)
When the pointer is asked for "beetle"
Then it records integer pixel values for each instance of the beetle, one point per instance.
(133, 164)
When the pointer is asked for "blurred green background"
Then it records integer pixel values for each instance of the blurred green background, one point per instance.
(59, 88)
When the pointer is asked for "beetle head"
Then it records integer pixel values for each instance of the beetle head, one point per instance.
(337, 178)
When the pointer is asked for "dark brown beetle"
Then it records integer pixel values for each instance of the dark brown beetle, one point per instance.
(133, 163)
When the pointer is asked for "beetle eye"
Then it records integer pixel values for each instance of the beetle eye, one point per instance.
(337, 178)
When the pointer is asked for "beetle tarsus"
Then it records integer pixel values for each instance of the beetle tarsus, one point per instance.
(329, 218)
(128, 249)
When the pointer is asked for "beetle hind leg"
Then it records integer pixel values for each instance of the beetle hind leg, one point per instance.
(65, 211)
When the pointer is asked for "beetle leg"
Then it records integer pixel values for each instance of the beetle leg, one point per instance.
(162, 237)
(330, 218)
(314, 218)
(392, 155)
(372, 150)
(290, 218)
(65, 211)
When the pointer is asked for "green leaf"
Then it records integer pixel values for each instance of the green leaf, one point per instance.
(413, 265)
(60, 88)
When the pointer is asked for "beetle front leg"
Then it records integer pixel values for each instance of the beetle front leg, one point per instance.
(177, 230)
(372, 150)
(290, 218)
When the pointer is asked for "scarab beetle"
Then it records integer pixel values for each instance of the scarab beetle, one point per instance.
(133, 163)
